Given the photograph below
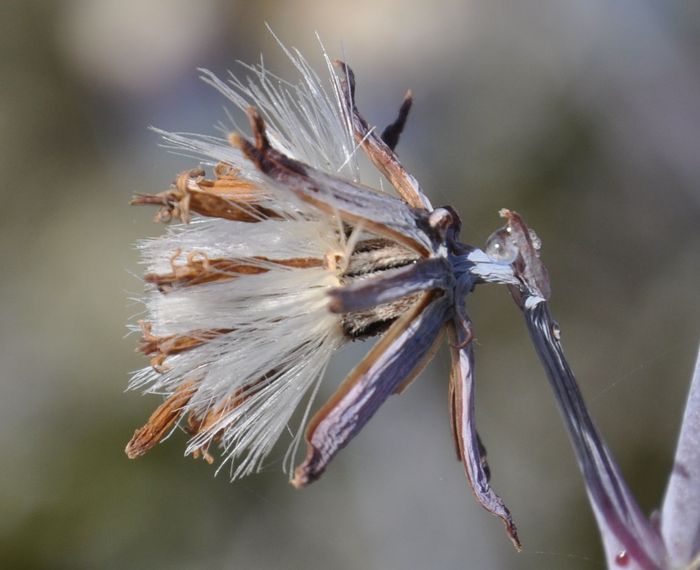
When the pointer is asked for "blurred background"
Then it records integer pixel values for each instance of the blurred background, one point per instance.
(584, 116)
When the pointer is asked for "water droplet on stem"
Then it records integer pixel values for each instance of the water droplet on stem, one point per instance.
(500, 247)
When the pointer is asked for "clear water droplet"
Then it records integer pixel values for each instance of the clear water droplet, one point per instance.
(622, 558)
(536, 241)
(556, 331)
(500, 247)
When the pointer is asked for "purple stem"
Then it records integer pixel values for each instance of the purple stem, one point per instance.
(627, 534)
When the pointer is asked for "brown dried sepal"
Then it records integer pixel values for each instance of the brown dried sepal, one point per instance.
(227, 196)
(380, 150)
(197, 424)
(160, 422)
(160, 347)
(200, 269)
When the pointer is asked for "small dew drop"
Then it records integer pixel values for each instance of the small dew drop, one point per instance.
(622, 558)
(556, 331)
(536, 241)
(501, 248)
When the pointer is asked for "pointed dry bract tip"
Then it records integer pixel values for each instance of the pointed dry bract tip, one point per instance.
(512, 533)
(310, 470)
(160, 422)
(303, 477)
(299, 481)
(392, 132)
(257, 126)
(340, 64)
(346, 75)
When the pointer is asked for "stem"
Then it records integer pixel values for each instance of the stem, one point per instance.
(619, 517)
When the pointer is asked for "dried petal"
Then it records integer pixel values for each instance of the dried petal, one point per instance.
(160, 422)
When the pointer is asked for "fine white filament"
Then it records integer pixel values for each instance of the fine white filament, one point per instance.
(278, 332)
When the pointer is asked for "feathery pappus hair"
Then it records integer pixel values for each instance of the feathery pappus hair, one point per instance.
(277, 254)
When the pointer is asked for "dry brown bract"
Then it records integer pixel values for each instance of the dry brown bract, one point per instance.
(160, 422)
(227, 196)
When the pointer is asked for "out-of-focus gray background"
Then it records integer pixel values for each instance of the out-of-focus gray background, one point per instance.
(584, 116)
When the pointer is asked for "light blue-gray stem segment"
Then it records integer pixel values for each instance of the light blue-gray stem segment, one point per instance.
(627, 534)
(484, 269)
(392, 285)
(680, 514)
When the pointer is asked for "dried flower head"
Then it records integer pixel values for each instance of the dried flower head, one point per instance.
(279, 257)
